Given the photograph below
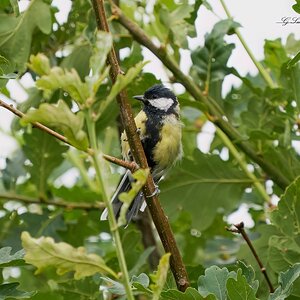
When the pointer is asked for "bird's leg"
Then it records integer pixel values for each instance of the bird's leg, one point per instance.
(156, 192)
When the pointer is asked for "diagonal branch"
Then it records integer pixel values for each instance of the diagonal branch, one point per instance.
(35, 124)
(215, 112)
(128, 165)
(159, 218)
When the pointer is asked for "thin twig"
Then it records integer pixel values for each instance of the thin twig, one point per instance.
(159, 218)
(59, 203)
(128, 165)
(240, 229)
(35, 124)
(216, 113)
(131, 165)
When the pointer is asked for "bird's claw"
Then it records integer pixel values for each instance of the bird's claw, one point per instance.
(156, 192)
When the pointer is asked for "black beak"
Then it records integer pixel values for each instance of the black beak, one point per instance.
(139, 97)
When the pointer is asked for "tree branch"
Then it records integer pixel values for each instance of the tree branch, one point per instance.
(159, 218)
(58, 203)
(131, 165)
(35, 124)
(216, 113)
(128, 165)
(240, 229)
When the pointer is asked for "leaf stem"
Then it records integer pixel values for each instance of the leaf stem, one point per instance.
(111, 217)
(240, 229)
(243, 165)
(263, 72)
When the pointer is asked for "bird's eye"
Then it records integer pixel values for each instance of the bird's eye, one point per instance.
(154, 97)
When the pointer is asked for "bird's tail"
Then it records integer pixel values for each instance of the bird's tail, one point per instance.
(124, 186)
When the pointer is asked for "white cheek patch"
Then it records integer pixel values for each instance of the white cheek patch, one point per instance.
(162, 103)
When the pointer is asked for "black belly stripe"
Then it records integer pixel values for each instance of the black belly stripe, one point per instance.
(152, 136)
(155, 119)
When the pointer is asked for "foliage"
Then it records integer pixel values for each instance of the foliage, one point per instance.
(59, 252)
(140, 177)
(44, 252)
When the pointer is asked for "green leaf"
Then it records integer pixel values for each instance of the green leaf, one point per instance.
(6, 69)
(120, 84)
(292, 45)
(177, 21)
(97, 61)
(45, 154)
(84, 289)
(7, 260)
(214, 282)
(101, 48)
(9, 290)
(239, 289)
(142, 279)
(249, 274)
(79, 60)
(140, 177)
(296, 7)
(69, 81)
(196, 183)
(189, 294)
(283, 252)
(39, 64)
(194, 13)
(44, 252)
(16, 32)
(14, 170)
(285, 159)
(210, 61)
(275, 56)
(286, 280)
(279, 243)
(287, 215)
(61, 117)
(289, 80)
(159, 278)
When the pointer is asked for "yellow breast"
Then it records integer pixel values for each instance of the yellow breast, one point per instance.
(169, 148)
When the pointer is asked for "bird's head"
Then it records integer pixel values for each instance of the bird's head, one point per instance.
(159, 98)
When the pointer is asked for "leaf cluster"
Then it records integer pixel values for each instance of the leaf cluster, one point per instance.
(60, 252)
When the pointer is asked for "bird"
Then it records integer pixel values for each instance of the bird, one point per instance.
(160, 130)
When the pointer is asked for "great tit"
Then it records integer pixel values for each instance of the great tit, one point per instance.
(159, 128)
